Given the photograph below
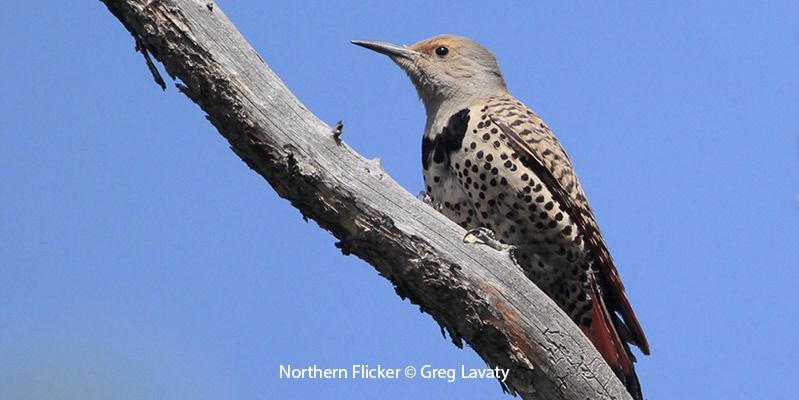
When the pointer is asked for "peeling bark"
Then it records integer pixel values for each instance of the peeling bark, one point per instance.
(475, 293)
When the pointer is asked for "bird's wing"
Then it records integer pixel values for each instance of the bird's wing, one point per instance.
(542, 153)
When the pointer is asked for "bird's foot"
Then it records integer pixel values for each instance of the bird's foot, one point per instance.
(484, 236)
(425, 197)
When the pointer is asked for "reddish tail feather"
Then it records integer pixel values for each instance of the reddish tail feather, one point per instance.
(604, 333)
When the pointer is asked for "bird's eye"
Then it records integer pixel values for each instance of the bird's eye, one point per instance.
(442, 51)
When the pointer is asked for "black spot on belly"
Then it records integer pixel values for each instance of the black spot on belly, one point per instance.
(447, 141)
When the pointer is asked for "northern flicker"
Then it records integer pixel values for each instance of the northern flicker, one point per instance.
(492, 165)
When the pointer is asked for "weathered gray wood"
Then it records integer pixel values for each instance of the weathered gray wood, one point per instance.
(474, 292)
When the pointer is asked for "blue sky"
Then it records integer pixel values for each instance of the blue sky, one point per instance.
(142, 259)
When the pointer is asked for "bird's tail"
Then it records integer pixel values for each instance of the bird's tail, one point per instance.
(604, 332)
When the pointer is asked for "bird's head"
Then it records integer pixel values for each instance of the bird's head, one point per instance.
(445, 68)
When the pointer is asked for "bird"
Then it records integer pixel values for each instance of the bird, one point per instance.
(492, 165)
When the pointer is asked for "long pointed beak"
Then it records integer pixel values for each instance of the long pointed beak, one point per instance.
(389, 49)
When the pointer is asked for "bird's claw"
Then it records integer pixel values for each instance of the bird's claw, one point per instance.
(484, 236)
(337, 130)
(425, 197)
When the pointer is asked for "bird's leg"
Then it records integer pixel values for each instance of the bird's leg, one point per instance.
(485, 236)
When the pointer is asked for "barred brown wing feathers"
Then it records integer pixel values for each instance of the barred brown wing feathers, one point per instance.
(543, 154)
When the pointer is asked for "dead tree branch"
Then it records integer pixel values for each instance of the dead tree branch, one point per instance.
(474, 292)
